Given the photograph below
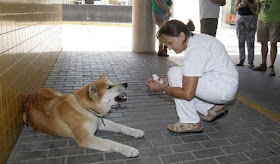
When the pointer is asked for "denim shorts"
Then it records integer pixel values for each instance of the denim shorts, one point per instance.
(161, 18)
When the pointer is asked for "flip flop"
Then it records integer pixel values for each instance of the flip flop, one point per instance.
(213, 114)
(184, 128)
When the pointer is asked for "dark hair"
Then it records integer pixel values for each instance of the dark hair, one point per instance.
(174, 27)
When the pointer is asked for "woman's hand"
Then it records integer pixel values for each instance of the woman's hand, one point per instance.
(238, 6)
(241, 5)
(165, 81)
(153, 85)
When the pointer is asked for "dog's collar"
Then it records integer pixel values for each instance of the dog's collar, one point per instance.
(91, 111)
(26, 106)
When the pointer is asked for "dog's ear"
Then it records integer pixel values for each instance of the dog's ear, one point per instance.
(93, 91)
(103, 76)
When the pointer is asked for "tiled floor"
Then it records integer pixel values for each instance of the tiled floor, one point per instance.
(243, 136)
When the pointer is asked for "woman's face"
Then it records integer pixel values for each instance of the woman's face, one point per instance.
(175, 43)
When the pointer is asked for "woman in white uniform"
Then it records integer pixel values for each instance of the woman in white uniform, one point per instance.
(206, 81)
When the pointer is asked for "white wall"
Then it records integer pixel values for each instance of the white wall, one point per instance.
(189, 9)
(186, 9)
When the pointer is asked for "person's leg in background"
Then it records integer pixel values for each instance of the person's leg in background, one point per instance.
(273, 53)
(264, 51)
(274, 31)
(263, 37)
(160, 19)
(209, 26)
(162, 50)
(241, 32)
(252, 27)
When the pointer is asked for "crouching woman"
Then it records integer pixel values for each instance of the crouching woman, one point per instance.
(204, 84)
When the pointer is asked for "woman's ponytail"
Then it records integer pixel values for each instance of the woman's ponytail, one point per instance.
(190, 25)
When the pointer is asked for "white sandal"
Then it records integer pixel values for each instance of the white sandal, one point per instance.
(213, 113)
(184, 128)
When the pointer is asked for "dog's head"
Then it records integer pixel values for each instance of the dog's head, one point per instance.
(102, 94)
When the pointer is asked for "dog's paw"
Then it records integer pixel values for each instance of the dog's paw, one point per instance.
(137, 133)
(131, 152)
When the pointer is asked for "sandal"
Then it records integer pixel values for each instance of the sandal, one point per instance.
(271, 71)
(261, 67)
(214, 114)
(239, 64)
(251, 65)
(162, 53)
(184, 128)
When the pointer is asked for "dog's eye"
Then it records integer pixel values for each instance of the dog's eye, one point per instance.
(109, 87)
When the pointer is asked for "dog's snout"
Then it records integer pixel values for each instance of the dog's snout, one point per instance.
(125, 85)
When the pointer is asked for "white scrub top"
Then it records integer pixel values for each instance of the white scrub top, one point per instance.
(206, 57)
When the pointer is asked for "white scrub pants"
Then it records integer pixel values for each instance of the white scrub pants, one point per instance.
(208, 93)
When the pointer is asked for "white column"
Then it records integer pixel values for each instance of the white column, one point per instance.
(143, 27)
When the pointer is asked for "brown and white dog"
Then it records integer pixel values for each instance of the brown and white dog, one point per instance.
(79, 115)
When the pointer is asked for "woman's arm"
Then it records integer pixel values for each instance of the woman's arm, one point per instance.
(238, 5)
(253, 6)
(161, 5)
(188, 90)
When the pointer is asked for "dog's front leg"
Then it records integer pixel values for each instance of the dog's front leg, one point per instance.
(115, 127)
(106, 145)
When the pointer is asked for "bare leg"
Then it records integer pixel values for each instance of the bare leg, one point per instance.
(160, 47)
(273, 53)
(162, 50)
(264, 50)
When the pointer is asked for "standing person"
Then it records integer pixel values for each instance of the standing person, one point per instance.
(246, 27)
(209, 11)
(268, 29)
(206, 81)
(161, 14)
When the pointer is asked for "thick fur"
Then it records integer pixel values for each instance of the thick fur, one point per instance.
(74, 115)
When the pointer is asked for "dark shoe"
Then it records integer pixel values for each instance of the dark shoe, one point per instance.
(251, 65)
(162, 53)
(239, 64)
(271, 71)
(261, 67)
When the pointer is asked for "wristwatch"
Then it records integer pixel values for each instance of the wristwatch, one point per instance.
(164, 90)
